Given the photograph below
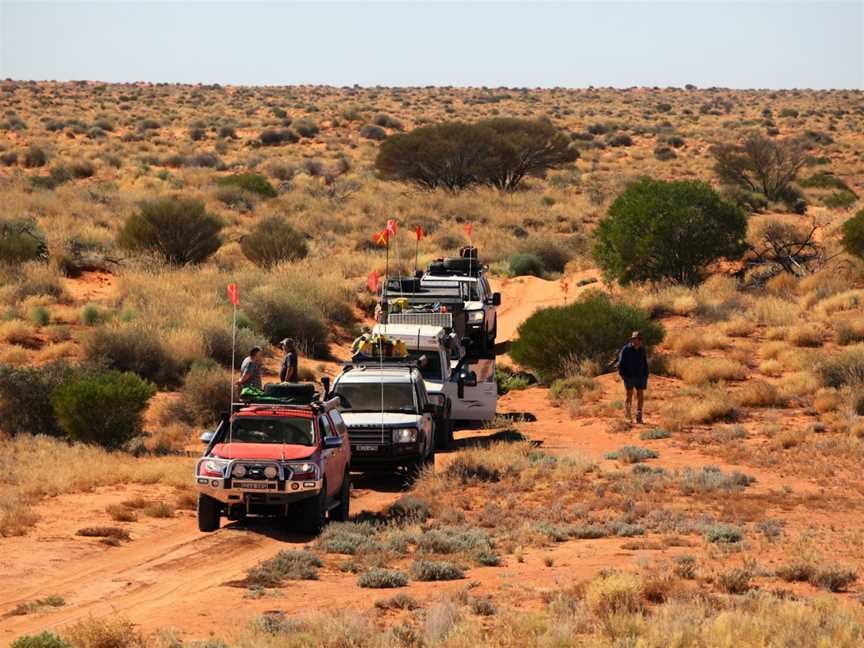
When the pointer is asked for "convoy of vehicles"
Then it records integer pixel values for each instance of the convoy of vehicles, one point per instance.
(289, 451)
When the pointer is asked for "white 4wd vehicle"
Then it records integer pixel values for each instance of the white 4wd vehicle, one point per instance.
(388, 413)
(480, 304)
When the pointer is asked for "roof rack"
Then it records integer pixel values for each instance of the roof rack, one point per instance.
(317, 405)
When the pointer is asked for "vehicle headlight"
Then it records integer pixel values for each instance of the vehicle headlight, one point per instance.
(239, 471)
(270, 472)
(475, 316)
(404, 435)
(213, 467)
(306, 470)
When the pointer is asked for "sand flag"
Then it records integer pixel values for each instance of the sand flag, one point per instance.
(233, 294)
(419, 232)
(372, 282)
(469, 230)
(391, 228)
(381, 237)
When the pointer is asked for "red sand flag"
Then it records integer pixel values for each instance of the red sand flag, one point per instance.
(419, 232)
(381, 237)
(372, 282)
(469, 230)
(391, 227)
(233, 294)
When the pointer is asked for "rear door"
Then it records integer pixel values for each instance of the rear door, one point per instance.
(344, 453)
(479, 402)
(332, 470)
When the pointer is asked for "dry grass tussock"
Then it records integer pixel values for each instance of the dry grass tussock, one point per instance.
(698, 371)
(24, 479)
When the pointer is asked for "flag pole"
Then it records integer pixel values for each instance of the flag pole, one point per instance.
(233, 362)
(416, 252)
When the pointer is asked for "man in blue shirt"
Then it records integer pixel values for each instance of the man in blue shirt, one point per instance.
(633, 369)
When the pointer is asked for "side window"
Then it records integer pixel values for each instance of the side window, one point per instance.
(486, 289)
(326, 427)
(339, 422)
(421, 395)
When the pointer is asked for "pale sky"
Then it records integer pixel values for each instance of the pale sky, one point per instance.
(769, 44)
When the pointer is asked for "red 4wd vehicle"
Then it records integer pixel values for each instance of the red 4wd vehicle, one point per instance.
(276, 458)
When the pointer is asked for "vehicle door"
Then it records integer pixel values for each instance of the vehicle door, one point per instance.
(491, 311)
(344, 453)
(427, 424)
(479, 393)
(330, 456)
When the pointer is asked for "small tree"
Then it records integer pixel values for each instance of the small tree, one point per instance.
(853, 235)
(760, 165)
(102, 408)
(672, 230)
(273, 240)
(593, 328)
(251, 182)
(21, 241)
(177, 229)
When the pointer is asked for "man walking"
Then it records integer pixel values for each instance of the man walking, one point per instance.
(633, 369)
(288, 372)
(250, 370)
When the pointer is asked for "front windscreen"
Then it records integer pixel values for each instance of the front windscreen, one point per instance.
(293, 431)
(431, 367)
(376, 397)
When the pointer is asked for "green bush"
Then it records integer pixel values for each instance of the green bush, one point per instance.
(134, 349)
(278, 315)
(840, 200)
(844, 368)
(20, 241)
(526, 264)
(594, 328)
(25, 398)
(551, 250)
(306, 127)
(177, 229)
(273, 240)
(380, 578)
(667, 230)
(102, 408)
(288, 564)
(436, 570)
(853, 235)
(35, 157)
(218, 343)
(632, 454)
(723, 533)
(373, 132)
(42, 640)
(206, 393)
(251, 182)
(278, 137)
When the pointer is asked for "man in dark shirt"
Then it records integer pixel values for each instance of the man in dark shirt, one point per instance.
(250, 370)
(288, 371)
(633, 369)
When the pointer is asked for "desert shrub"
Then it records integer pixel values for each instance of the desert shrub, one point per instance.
(615, 593)
(102, 408)
(398, 602)
(373, 132)
(306, 127)
(526, 264)
(235, 198)
(664, 153)
(380, 578)
(436, 570)
(654, 434)
(593, 328)
(252, 182)
(632, 454)
(10, 158)
(177, 229)
(840, 200)
(218, 343)
(853, 235)
(110, 632)
(197, 134)
(44, 639)
(21, 241)
(411, 508)
(570, 388)
(278, 137)
(834, 578)
(760, 164)
(710, 479)
(348, 538)
(35, 157)
(278, 315)
(386, 121)
(131, 348)
(288, 564)
(621, 139)
(723, 533)
(735, 580)
(551, 251)
(759, 393)
(499, 152)
(273, 240)
(667, 230)
(843, 368)
(206, 392)
(824, 180)
(82, 169)
(227, 132)
(697, 371)
(25, 398)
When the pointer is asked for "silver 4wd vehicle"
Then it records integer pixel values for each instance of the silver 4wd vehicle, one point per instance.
(480, 304)
(389, 415)
(276, 458)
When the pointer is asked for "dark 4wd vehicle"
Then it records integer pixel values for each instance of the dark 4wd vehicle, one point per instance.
(276, 459)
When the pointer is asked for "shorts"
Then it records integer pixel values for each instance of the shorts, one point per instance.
(635, 384)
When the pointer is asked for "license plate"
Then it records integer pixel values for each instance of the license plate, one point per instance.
(366, 448)
(255, 485)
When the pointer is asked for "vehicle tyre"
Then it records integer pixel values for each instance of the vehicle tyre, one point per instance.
(314, 512)
(209, 513)
(343, 511)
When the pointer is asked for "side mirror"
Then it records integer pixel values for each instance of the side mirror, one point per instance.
(207, 437)
(332, 442)
(430, 408)
(496, 299)
(325, 383)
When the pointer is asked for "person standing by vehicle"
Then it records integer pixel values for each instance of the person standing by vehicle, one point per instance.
(633, 369)
(250, 370)
(288, 372)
